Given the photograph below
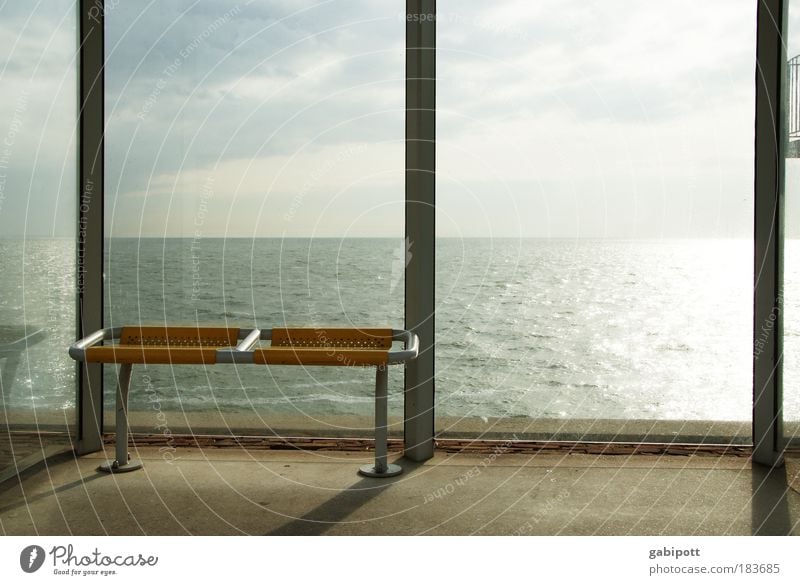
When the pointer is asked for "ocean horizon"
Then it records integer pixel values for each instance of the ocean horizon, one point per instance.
(526, 327)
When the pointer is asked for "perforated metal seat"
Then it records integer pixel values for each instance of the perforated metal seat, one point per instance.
(326, 347)
(165, 345)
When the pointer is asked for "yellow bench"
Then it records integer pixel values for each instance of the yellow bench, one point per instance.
(219, 345)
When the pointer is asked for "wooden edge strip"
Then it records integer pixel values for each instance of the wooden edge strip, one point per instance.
(442, 445)
(151, 355)
(320, 357)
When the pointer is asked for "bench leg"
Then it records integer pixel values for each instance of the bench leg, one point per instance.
(123, 462)
(381, 468)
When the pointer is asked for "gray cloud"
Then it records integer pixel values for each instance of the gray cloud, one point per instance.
(542, 96)
(266, 79)
(37, 118)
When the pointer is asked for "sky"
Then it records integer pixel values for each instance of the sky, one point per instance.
(555, 118)
(38, 102)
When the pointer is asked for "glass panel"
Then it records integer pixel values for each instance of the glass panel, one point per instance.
(38, 195)
(255, 178)
(595, 204)
(791, 283)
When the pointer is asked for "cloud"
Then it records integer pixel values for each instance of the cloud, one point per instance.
(265, 83)
(553, 100)
(38, 106)
(646, 108)
(326, 189)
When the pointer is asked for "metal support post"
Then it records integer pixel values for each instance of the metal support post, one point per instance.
(768, 233)
(123, 462)
(382, 467)
(420, 224)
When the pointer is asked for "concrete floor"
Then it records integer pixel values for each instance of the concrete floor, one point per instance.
(231, 491)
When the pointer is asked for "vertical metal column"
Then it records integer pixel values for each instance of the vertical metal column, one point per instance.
(90, 217)
(122, 462)
(768, 232)
(382, 467)
(420, 223)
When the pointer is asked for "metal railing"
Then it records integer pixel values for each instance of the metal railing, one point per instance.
(793, 94)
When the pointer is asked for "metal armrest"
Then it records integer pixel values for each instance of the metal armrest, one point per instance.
(241, 354)
(77, 350)
(411, 342)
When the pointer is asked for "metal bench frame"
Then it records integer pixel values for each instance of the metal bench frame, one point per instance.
(297, 346)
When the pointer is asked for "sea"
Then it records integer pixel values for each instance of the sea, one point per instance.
(525, 328)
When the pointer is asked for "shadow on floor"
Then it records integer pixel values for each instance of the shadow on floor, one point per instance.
(793, 473)
(7, 486)
(769, 508)
(334, 511)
